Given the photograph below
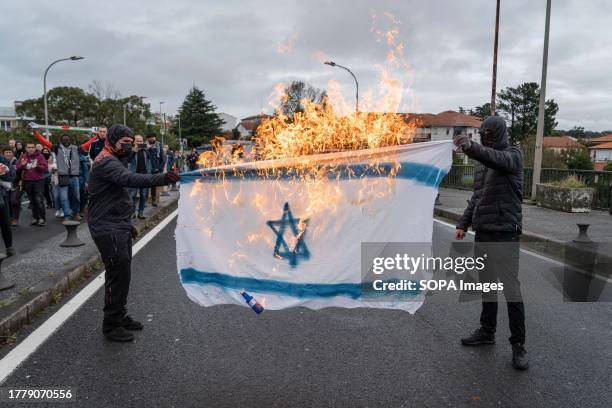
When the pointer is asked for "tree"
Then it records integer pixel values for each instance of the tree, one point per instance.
(199, 122)
(296, 93)
(481, 111)
(608, 167)
(576, 132)
(578, 159)
(66, 105)
(520, 108)
(98, 107)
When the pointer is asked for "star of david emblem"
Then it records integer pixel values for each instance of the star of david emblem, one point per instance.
(297, 249)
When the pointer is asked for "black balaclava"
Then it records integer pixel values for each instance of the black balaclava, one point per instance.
(499, 135)
(114, 134)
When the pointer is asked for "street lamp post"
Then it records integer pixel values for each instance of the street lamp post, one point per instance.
(179, 135)
(73, 58)
(537, 159)
(125, 110)
(160, 120)
(333, 64)
(164, 130)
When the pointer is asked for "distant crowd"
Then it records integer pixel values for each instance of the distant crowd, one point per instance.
(55, 176)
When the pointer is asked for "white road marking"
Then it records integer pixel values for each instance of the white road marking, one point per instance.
(31, 343)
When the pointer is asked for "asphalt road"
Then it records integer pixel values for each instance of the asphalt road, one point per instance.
(26, 237)
(227, 356)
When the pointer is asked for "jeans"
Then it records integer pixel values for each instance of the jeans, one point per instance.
(502, 263)
(142, 192)
(116, 253)
(35, 190)
(70, 198)
(55, 190)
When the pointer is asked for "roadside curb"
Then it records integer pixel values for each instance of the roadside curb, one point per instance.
(580, 256)
(23, 311)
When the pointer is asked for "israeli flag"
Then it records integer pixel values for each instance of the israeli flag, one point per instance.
(289, 241)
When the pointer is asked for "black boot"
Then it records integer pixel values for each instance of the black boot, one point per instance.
(131, 324)
(519, 357)
(478, 338)
(118, 334)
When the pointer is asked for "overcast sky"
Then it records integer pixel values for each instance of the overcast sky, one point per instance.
(230, 49)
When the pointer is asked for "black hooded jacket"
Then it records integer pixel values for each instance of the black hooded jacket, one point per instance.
(110, 205)
(495, 205)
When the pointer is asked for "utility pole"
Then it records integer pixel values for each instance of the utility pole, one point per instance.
(537, 159)
(494, 85)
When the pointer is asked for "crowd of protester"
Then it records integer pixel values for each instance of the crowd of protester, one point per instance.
(55, 177)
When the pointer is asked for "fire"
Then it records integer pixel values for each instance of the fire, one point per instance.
(299, 145)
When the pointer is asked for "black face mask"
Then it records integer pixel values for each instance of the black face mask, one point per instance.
(66, 143)
(47, 155)
(126, 149)
(151, 142)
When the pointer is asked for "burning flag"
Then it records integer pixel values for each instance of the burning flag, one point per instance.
(288, 231)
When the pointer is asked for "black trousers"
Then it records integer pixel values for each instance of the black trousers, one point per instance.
(116, 252)
(5, 222)
(502, 251)
(15, 203)
(47, 194)
(35, 191)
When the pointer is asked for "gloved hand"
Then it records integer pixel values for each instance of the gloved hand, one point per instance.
(462, 141)
(134, 233)
(171, 177)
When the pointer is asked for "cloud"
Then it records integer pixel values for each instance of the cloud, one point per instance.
(230, 50)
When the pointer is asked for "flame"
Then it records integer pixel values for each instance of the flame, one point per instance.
(287, 46)
(299, 144)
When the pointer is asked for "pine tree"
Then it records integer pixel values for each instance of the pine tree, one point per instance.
(199, 122)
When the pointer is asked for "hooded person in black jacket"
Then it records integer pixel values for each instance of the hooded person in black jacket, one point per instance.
(494, 212)
(109, 212)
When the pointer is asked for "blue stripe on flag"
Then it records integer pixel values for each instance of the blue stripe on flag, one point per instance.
(294, 289)
(421, 173)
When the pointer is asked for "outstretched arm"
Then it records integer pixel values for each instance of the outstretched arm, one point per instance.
(508, 160)
(112, 170)
(41, 139)
(85, 146)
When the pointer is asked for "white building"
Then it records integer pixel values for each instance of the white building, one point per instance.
(441, 126)
(9, 119)
(601, 155)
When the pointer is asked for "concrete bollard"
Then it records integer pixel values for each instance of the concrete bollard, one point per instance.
(438, 202)
(72, 239)
(4, 283)
(583, 236)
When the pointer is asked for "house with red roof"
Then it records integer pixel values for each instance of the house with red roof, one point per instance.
(441, 126)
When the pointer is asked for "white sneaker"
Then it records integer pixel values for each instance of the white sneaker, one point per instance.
(59, 213)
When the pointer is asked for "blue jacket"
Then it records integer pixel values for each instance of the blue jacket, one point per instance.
(157, 157)
(8, 177)
(84, 169)
(169, 160)
(133, 163)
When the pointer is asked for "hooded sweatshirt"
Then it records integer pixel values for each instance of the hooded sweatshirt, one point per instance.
(33, 166)
(496, 205)
(110, 205)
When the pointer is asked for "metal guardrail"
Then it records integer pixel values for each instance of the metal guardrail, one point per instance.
(462, 177)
